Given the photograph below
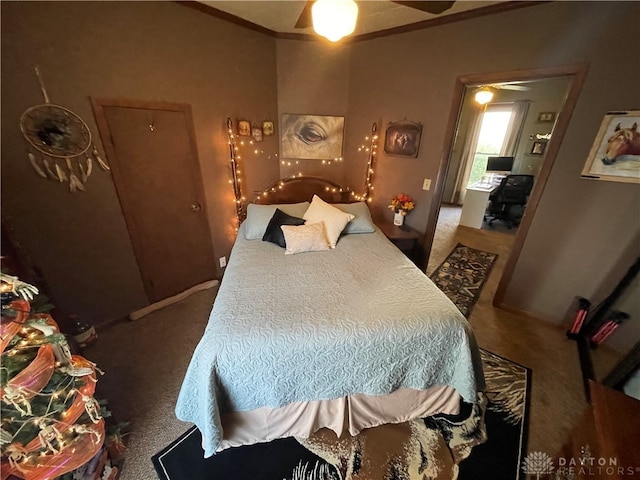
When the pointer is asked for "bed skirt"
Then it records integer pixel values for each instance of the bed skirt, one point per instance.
(349, 414)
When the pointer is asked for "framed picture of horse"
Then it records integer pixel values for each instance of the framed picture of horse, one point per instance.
(615, 154)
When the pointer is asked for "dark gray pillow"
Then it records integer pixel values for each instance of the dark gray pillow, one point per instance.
(258, 217)
(274, 233)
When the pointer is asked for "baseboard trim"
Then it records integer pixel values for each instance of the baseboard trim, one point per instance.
(105, 324)
(524, 313)
(171, 300)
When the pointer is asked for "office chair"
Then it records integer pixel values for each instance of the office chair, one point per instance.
(513, 190)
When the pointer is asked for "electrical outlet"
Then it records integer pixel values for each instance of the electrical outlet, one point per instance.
(223, 262)
(426, 185)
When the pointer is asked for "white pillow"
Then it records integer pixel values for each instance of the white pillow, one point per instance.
(334, 219)
(304, 238)
(259, 216)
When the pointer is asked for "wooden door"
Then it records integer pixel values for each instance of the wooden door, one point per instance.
(153, 157)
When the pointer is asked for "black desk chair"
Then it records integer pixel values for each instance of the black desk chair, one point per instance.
(512, 191)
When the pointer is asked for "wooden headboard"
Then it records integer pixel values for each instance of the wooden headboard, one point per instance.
(302, 189)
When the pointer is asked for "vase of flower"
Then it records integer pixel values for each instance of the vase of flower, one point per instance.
(401, 204)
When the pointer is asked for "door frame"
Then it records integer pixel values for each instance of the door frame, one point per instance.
(577, 74)
(98, 105)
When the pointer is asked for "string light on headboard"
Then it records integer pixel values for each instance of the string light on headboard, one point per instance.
(266, 195)
(372, 151)
(235, 179)
(288, 163)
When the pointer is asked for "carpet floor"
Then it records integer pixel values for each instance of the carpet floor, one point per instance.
(439, 447)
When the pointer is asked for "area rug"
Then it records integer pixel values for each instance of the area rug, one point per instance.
(439, 447)
(462, 275)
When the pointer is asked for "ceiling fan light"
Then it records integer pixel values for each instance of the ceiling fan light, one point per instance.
(334, 19)
(483, 96)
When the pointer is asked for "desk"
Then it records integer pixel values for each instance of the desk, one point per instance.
(475, 204)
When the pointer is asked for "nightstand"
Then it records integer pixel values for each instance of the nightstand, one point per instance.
(405, 238)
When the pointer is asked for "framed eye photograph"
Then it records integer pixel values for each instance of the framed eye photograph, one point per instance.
(316, 137)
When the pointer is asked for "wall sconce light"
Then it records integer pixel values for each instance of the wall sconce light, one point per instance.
(484, 95)
(334, 19)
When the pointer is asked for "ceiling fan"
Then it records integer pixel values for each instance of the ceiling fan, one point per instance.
(509, 86)
(484, 93)
(434, 7)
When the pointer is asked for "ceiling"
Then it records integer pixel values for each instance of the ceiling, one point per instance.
(375, 18)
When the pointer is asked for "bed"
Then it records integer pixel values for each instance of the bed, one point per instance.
(344, 338)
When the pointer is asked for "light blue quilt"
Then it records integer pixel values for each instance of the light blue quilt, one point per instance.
(321, 325)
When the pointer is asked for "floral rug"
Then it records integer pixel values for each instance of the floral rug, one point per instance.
(483, 442)
(462, 275)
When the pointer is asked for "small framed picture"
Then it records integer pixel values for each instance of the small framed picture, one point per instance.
(244, 128)
(546, 117)
(402, 139)
(256, 133)
(538, 148)
(267, 128)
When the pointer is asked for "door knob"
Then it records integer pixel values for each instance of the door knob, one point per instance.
(195, 207)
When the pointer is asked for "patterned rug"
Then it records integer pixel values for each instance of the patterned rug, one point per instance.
(441, 447)
(462, 275)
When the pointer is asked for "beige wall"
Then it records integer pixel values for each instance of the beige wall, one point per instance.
(313, 78)
(163, 51)
(570, 247)
(545, 96)
(139, 50)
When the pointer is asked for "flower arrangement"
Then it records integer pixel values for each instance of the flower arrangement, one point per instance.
(402, 203)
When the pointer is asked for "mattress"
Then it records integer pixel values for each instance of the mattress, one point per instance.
(358, 319)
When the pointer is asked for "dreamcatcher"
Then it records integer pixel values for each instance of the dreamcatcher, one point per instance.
(62, 140)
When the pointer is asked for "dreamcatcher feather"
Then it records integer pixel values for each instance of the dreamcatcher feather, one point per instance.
(63, 141)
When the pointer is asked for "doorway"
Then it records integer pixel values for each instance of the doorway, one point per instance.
(152, 152)
(525, 161)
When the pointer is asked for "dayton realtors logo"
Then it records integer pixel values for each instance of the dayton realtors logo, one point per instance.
(537, 463)
(541, 464)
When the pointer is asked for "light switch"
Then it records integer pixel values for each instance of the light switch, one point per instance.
(426, 185)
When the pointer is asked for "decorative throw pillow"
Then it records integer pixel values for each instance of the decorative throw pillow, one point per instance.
(259, 216)
(274, 232)
(362, 223)
(305, 238)
(333, 218)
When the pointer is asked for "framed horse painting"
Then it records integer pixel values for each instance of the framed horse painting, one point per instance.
(615, 154)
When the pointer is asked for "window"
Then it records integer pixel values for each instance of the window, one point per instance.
(492, 137)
